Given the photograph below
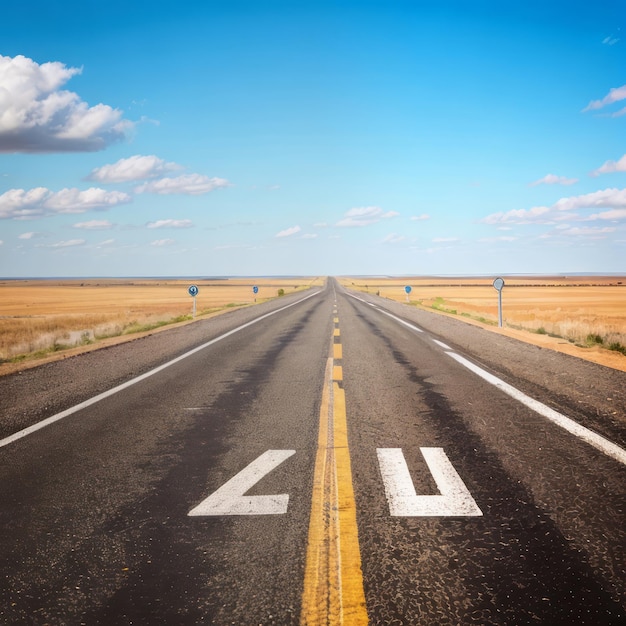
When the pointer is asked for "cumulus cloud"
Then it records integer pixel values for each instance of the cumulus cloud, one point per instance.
(191, 184)
(616, 94)
(612, 215)
(36, 115)
(38, 202)
(552, 179)
(134, 168)
(94, 225)
(611, 166)
(288, 232)
(562, 209)
(364, 216)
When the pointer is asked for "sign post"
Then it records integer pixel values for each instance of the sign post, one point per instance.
(408, 290)
(193, 292)
(255, 290)
(498, 284)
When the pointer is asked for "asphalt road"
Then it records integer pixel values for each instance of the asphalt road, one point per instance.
(329, 457)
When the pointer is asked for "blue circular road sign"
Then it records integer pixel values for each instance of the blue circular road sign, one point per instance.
(408, 289)
(193, 291)
(255, 289)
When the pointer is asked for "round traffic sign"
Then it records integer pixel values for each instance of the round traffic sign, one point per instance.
(408, 289)
(193, 291)
(498, 283)
(255, 289)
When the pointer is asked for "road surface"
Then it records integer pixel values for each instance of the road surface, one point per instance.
(329, 457)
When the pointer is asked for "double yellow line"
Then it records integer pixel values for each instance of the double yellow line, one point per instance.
(333, 581)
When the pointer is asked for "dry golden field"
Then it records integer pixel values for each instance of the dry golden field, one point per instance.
(583, 311)
(40, 316)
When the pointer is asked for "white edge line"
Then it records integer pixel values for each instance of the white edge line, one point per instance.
(110, 392)
(597, 441)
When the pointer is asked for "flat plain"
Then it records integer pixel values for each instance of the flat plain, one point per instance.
(40, 317)
(584, 316)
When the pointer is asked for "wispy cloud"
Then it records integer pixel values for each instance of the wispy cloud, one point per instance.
(611, 166)
(595, 233)
(553, 179)
(70, 243)
(134, 168)
(364, 216)
(420, 218)
(394, 238)
(190, 184)
(19, 204)
(170, 224)
(288, 232)
(36, 115)
(158, 243)
(615, 94)
(95, 225)
(611, 40)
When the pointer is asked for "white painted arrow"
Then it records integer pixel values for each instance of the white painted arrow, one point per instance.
(229, 499)
(455, 499)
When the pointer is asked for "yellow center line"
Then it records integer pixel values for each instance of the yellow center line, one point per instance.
(333, 581)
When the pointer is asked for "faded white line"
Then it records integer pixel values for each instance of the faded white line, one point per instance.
(442, 344)
(571, 426)
(105, 394)
(398, 319)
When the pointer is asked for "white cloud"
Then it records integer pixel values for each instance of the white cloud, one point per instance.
(393, 238)
(552, 179)
(191, 184)
(170, 224)
(133, 168)
(36, 115)
(162, 242)
(613, 215)
(364, 216)
(288, 232)
(615, 95)
(38, 202)
(611, 166)
(610, 40)
(70, 243)
(310, 236)
(30, 235)
(606, 198)
(595, 233)
(497, 239)
(420, 218)
(445, 239)
(95, 225)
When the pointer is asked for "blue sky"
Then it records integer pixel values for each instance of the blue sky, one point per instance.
(314, 138)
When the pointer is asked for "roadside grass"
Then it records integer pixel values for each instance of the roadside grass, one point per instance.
(39, 318)
(590, 317)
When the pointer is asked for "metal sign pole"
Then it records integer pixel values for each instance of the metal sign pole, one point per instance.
(498, 285)
(193, 292)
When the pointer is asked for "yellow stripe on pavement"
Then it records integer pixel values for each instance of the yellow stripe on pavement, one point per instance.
(333, 581)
